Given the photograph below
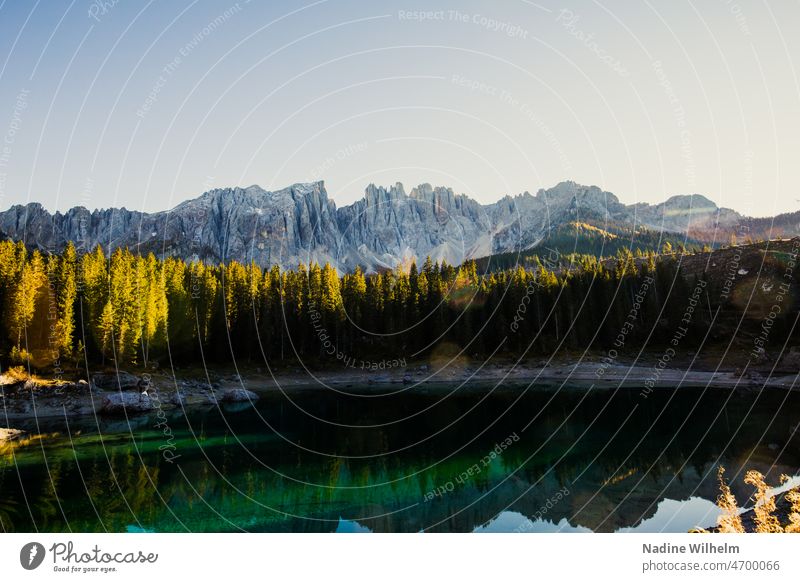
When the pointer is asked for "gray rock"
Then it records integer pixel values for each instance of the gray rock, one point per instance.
(71, 389)
(116, 381)
(235, 407)
(132, 402)
(178, 398)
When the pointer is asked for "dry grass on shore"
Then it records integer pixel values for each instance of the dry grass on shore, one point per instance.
(765, 517)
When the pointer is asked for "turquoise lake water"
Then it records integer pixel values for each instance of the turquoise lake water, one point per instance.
(446, 460)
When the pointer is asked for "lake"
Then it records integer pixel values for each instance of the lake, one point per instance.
(442, 459)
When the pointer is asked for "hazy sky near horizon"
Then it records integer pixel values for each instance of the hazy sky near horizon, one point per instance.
(145, 104)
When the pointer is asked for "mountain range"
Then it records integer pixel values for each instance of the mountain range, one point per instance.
(385, 227)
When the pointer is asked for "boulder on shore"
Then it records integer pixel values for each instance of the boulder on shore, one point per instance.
(117, 381)
(9, 434)
(118, 402)
(178, 398)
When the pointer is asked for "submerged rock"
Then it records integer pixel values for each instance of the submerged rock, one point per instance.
(234, 407)
(236, 395)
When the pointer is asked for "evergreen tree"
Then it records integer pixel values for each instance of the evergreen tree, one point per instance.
(67, 293)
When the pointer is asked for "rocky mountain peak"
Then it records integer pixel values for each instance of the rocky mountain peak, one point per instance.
(300, 223)
(694, 202)
(374, 195)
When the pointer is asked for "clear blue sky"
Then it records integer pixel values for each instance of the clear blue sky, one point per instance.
(145, 104)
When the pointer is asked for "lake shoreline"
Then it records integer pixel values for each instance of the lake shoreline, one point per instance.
(123, 392)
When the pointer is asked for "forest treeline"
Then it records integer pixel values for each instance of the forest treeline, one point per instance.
(59, 310)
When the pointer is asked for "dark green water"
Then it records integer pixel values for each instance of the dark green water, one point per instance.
(328, 462)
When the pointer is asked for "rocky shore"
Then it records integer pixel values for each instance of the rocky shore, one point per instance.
(10, 434)
(121, 392)
(110, 393)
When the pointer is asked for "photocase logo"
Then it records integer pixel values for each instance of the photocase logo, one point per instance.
(31, 555)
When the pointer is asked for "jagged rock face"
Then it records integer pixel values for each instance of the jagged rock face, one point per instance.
(524, 220)
(386, 227)
(246, 224)
(284, 227)
(693, 214)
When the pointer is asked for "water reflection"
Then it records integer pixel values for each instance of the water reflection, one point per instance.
(511, 521)
(627, 464)
(672, 515)
(348, 526)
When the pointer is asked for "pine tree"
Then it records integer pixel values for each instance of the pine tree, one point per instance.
(155, 307)
(93, 289)
(32, 280)
(67, 293)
